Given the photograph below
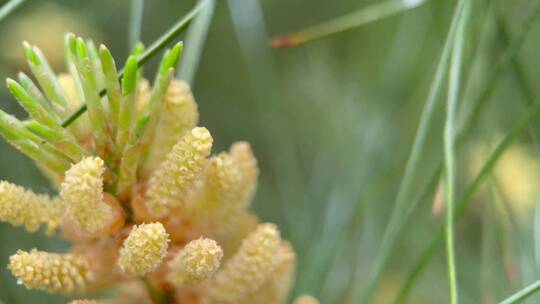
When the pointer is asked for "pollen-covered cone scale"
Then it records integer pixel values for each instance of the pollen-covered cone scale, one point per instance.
(151, 214)
(62, 273)
(143, 249)
(249, 268)
(83, 198)
(306, 299)
(194, 263)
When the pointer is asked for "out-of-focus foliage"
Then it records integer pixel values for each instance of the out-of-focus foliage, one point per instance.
(332, 123)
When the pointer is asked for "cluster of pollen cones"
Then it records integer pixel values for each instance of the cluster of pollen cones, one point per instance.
(152, 215)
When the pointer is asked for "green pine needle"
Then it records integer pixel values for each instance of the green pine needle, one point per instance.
(36, 94)
(125, 118)
(176, 30)
(96, 111)
(30, 144)
(46, 78)
(112, 86)
(130, 158)
(35, 108)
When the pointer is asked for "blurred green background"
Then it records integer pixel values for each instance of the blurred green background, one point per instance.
(332, 123)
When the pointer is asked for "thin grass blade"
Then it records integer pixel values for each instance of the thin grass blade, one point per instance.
(523, 294)
(401, 210)
(471, 117)
(9, 8)
(135, 22)
(532, 112)
(195, 39)
(501, 65)
(454, 80)
(361, 17)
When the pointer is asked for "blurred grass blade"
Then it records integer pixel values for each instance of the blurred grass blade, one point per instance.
(250, 30)
(532, 112)
(195, 39)
(501, 65)
(361, 17)
(401, 211)
(9, 8)
(418, 267)
(450, 150)
(171, 34)
(536, 235)
(135, 22)
(521, 295)
(517, 66)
